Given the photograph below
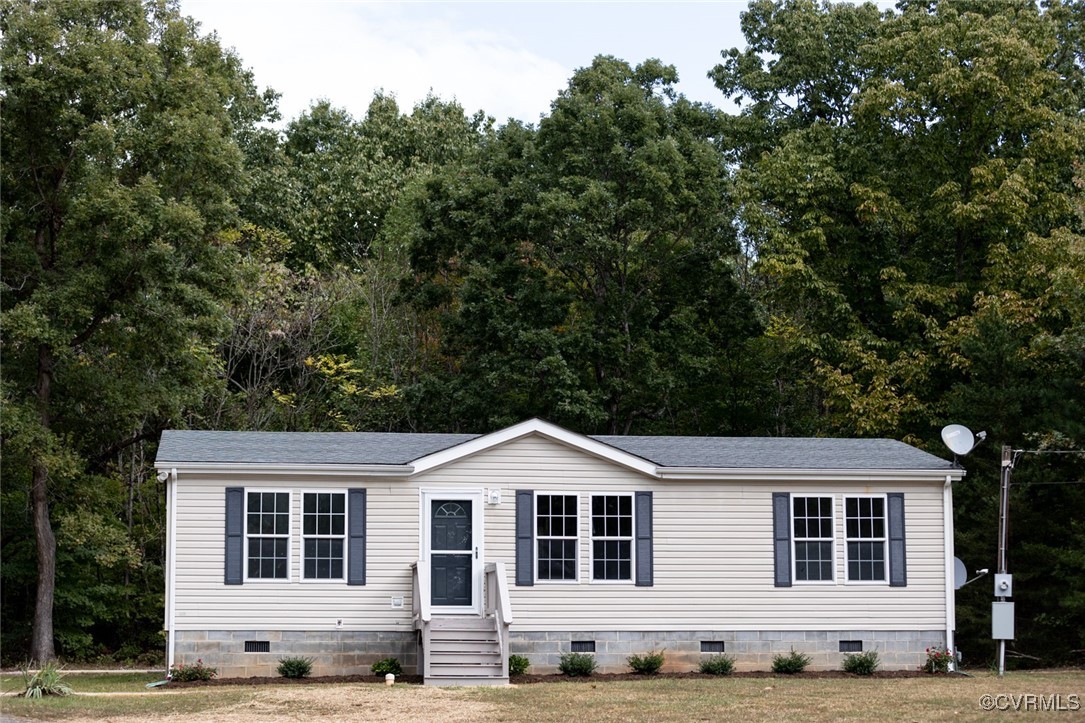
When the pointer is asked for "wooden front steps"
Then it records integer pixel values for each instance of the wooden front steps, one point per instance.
(464, 651)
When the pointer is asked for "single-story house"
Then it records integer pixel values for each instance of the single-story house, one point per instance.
(451, 551)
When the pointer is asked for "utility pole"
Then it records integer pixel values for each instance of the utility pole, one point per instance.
(1002, 611)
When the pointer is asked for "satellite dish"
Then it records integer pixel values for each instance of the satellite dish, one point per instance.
(960, 439)
(960, 573)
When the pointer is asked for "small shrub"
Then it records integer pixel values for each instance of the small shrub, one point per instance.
(386, 666)
(195, 671)
(295, 667)
(647, 664)
(938, 660)
(518, 664)
(47, 681)
(718, 665)
(791, 663)
(577, 664)
(861, 663)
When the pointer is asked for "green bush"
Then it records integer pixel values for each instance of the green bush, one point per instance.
(196, 671)
(518, 664)
(718, 665)
(577, 664)
(295, 667)
(791, 663)
(47, 681)
(647, 664)
(386, 666)
(861, 663)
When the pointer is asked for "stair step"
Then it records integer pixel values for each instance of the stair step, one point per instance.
(473, 646)
(465, 680)
(481, 636)
(458, 669)
(463, 623)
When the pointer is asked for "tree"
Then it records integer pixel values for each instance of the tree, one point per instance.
(583, 271)
(119, 168)
(906, 190)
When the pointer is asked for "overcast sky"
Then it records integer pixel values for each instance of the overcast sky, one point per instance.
(508, 59)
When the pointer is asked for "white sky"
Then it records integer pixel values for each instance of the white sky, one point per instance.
(508, 59)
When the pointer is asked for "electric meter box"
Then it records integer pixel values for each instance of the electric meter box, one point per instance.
(1002, 621)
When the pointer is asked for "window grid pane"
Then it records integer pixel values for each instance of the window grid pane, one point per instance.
(812, 524)
(864, 525)
(612, 537)
(323, 545)
(267, 526)
(556, 532)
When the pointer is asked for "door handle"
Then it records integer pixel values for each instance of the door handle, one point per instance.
(476, 552)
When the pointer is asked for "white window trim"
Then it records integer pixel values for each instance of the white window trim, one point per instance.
(632, 540)
(302, 537)
(289, 536)
(794, 559)
(536, 537)
(884, 539)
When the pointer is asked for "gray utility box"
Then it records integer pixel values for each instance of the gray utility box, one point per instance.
(1002, 621)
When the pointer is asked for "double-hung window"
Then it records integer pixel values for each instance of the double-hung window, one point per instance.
(612, 537)
(267, 532)
(864, 529)
(323, 522)
(556, 534)
(812, 520)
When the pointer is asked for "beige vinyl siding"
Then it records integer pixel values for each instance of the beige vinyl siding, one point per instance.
(712, 548)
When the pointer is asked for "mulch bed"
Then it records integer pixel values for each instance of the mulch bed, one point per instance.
(531, 679)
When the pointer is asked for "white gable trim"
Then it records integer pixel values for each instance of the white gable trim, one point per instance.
(542, 429)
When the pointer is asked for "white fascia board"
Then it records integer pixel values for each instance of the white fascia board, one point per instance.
(543, 429)
(769, 474)
(341, 470)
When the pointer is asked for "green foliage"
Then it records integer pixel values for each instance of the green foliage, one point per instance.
(791, 663)
(518, 664)
(581, 272)
(193, 671)
(386, 666)
(577, 665)
(939, 660)
(111, 277)
(861, 663)
(295, 667)
(49, 680)
(647, 664)
(718, 665)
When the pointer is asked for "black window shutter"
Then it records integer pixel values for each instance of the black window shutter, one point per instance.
(898, 569)
(644, 539)
(781, 537)
(525, 538)
(356, 536)
(235, 535)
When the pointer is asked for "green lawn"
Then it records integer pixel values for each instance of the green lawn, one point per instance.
(656, 700)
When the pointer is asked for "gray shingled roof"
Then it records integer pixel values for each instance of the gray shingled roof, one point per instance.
(377, 448)
(777, 452)
(302, 447)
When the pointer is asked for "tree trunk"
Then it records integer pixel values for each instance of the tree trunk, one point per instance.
(41, 645)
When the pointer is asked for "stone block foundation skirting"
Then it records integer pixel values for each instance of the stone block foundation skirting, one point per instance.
(752, 649)
(341, 652)
(334, 652)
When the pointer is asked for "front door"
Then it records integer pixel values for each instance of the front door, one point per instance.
(453, 550)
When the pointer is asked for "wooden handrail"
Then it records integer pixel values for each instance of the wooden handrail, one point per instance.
(421, 599)
(501, 588)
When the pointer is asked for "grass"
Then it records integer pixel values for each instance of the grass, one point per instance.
(661, 699)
